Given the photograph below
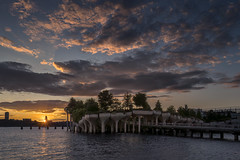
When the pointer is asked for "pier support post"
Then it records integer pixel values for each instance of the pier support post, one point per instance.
(192, 134)
(156, 120)
(139, 124)
(85, 126)
(201, 134)
(125, 126)
(162, 131)
(221, 135)
(133, 124)
(235, 137)
(90, 127)
(174, 132)
(116, 126)
(103, 126)
(211, 135)
(129, 127)
(67, 121)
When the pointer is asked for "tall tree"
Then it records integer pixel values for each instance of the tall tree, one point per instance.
(105, 100)
(140, 100)
(91, 106)
(171, 109)
(158, 106)
(127, 101)
(71, 105)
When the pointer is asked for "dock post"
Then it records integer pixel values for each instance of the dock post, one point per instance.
(39, 127)
(221, 135)
(67, 121)
(162, 131)
(185, 133)
(133, 124)
(210, 135)
(62, 127)
(201, 134)
(139, 124)
(30, 127)
(55, 127)
(192, 134)
(235, 137)
(21, 127)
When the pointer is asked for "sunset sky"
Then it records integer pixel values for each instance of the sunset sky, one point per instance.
(178, 51)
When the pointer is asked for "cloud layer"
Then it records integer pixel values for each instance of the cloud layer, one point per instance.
(206, 29)
(44, 106)
(84, 78)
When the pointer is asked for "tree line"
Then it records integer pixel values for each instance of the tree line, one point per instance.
(107, 103)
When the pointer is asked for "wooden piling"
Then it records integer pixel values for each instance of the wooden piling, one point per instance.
(235, 137)
(192, 133)
(221, 135)
(211, 135)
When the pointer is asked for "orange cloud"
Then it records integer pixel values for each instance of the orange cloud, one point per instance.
(9, 44)
(58, 67)
(44, 62)
(24, 8)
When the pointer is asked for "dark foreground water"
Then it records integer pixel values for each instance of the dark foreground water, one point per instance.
(59, 144)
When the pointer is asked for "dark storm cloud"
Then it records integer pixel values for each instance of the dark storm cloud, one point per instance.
(88, 79)
(18, 77)
(135, 75)
(44, 106)
(233, 82)
(162, 80)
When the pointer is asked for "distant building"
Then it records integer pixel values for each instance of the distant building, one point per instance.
(6, 115)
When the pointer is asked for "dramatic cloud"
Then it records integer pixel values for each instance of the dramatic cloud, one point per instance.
(206, 30)
(18, 77)
(9, 44)
(167, 45)
(44, 106)
(86, 79)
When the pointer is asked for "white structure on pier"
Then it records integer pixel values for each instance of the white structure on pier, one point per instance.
(123, 122)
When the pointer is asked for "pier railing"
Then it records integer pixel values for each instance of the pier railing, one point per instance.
(201, 125)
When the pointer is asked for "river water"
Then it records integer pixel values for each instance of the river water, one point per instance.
(60, 144)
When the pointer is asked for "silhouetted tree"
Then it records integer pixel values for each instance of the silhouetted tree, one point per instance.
(71, 105)
(140, 100)
(158, 106)
(91, 106)
(105, 100)
(171, 109)
(127, 102)
(199, 115)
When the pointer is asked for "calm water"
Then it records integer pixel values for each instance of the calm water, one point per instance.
(59, 144)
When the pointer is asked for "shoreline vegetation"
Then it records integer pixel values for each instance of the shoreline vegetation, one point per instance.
(106, 103)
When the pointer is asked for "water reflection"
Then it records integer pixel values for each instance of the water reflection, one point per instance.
(59, 144)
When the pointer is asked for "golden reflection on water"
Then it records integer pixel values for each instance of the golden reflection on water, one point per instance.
(43, 142)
